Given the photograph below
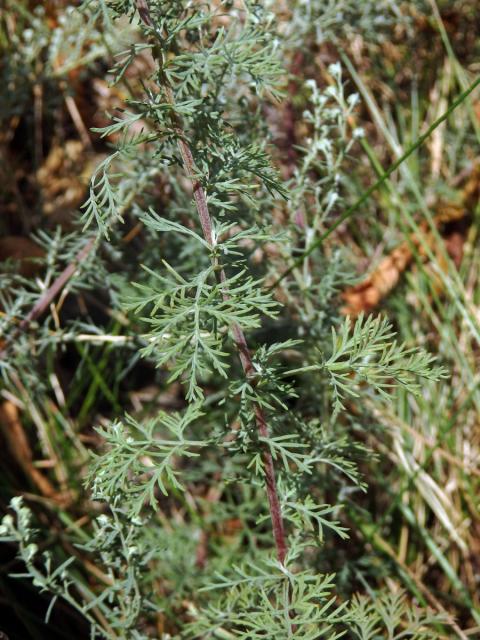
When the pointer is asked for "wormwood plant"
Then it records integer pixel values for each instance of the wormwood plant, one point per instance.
(261, 439)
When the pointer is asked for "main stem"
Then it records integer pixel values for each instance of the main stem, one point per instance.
(237, 332)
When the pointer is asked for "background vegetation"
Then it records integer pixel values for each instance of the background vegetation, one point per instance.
(292, 116)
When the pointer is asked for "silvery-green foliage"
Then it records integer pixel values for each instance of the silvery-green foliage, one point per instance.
(42, 54)
(316, 187)
(317, 194)
(368, 352)
(140, 462)
(188, 320)
(390, 615)
(123, 559)
(326, 149)
(257, 601)
(329, 20)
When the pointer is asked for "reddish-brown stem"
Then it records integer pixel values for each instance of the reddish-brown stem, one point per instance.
(237, 332)
(57, 286)
(50, 294)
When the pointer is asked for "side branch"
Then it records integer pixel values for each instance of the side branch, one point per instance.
(49, 296)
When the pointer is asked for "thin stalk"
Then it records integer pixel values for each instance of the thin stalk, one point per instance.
(237, 332)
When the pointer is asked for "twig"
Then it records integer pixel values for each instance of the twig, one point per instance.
(77, 119)
(42, 305)
(237, 332)
(50, 294)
